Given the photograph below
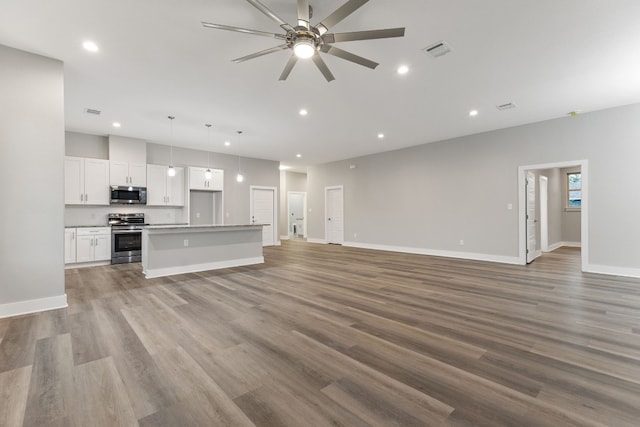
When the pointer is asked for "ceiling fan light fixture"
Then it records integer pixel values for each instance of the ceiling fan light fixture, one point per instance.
(304, 47)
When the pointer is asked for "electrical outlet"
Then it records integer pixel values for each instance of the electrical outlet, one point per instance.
(197, 214)
(355, 235)
(461, 242)
(510, 206)
(227, 215)
(186, 243)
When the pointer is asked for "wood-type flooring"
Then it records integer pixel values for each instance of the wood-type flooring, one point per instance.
(324, 335)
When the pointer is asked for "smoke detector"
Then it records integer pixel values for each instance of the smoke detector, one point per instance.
(437, 49)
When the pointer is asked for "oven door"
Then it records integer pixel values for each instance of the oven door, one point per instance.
(126, 246)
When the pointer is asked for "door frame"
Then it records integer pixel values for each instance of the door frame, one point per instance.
(544, 213)
(304, 211)
(326, 192)
(584, 221)
(276, 234)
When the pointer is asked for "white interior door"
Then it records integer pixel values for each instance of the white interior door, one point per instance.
(263, 203)
(531, 216)
(334, 208)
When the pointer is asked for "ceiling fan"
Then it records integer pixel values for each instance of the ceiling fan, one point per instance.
(308, 40)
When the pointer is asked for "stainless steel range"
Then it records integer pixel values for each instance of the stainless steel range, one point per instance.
(126, 237)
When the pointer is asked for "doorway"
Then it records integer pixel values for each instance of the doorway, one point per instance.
(296, 208)
(263, 211)
(334, 214)
(532, 231)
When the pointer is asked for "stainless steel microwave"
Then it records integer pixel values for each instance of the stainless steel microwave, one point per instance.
(122, 195)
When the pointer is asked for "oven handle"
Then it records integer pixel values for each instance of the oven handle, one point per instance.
(125, 231)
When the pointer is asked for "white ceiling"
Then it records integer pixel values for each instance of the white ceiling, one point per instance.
(549, 57)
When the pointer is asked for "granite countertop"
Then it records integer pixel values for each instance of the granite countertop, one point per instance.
(169, 226)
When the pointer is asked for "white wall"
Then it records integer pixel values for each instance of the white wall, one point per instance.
(32, 204)
(431, 196)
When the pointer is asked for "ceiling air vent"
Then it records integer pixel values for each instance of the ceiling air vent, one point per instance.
(437, 49)
(507, 106)
(92, 111)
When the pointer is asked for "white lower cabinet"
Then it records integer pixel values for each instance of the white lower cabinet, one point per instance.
(69, 245)
(93, 244)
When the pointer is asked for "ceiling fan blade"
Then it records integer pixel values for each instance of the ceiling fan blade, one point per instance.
(262, 52)
(264, 9)
(332, 50)
(287, 68)
(322, 67)
(339, 14)
(363, 35)
(243, 30)
(303, 13)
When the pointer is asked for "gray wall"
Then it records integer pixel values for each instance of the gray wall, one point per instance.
(32, 153)
(433, 195)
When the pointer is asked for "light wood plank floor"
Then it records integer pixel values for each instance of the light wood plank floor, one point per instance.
(331, 336)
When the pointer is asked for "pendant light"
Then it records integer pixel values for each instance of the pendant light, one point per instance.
(207, 173)
(171, 171)
(239, 177)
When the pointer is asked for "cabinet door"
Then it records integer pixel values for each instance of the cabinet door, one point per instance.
(217, 180)
(197, 181)
(96, 181)
(138, 175)
(156, 185)
(119, 173)
(73, 181)
(69, 245)
(84, 248)
(175, 188)
(102, 247)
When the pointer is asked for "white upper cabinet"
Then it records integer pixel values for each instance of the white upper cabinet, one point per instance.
(199, 181)
(86, 181)
(128, 157)
(162, 189)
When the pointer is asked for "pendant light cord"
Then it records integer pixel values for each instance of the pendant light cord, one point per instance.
(171, 139)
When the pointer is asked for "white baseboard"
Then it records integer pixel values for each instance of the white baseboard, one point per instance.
(87, 264)
(434, 252)
(284, 237)
(170, 271)
(612, 270)
(321, 241)
(557, 245)
(33, 306)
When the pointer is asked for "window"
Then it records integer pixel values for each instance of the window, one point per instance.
(574, 190)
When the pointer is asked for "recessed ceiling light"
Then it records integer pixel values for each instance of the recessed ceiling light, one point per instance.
(403, 69)
(227, 143)
(116, 124)
(381, 135)
(473, 113)
(90, 46)
(298, 155)
(303, 112)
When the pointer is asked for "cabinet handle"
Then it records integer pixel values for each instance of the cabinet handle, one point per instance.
(86, 197)
(96, 241)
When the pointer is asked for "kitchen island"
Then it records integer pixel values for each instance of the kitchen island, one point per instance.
(177, 249)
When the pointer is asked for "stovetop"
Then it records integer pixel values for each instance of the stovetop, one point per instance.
(126, 220)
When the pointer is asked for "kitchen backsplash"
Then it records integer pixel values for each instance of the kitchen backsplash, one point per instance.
(75, 216)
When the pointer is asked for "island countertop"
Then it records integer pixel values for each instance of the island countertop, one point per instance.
(169, 249)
